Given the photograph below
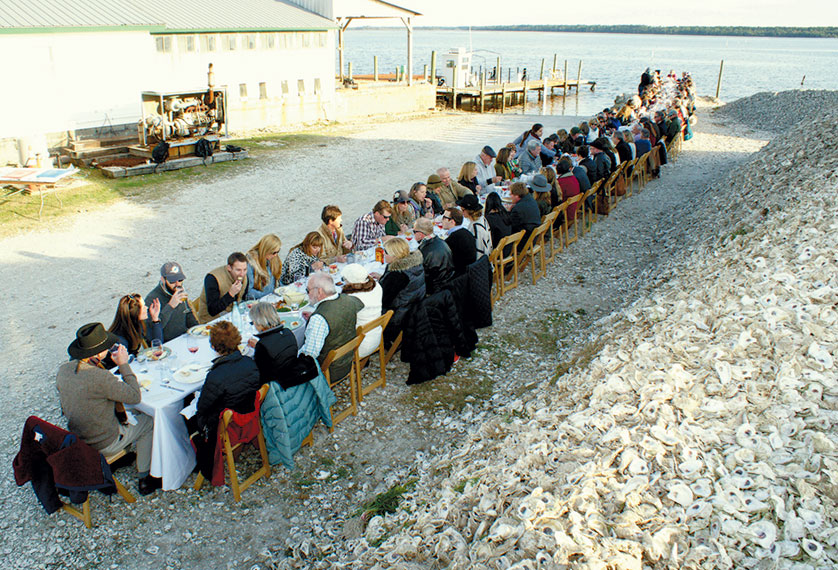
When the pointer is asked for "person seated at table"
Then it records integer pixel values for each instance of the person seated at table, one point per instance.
(468, 176)
(577, 137)
(503, 164)
(231, 382)
(91, 396)
(460, 241)
(403, 214)
(335, 244)
(500, 224)
(437, 260)
(642, 143)
(533, 133)
(569, 185)
(555, 193)
(478, 226)
(264, 267)
(369, 228)
(541, 191)
(223, 286)
(625, 145)
(359, 284)
(302, 259)
(402, 284)
(275, 347)
(548, 150)
(131, 323)
(530, 159)
(485, 171)
(332, 324)
(587, 162)
(447, 190)
(524, 214)
(565, 144)
(427, 205)
(176, 316)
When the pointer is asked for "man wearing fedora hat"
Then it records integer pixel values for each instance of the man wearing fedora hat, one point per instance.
(89, 396)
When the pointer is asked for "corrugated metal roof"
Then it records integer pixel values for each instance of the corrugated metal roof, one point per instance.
(173, 15)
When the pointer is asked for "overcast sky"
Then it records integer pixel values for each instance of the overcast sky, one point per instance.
(612, 12)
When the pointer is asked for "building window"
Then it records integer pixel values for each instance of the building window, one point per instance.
(317, 87)
(263, 90)
(243, 90)
(208, 42)
(321, 39)
(228, 42)
(268, 40)
(186, 43)
(286, 40)
(164, 44)
(284, 87)
(301, 86)
(249, 41)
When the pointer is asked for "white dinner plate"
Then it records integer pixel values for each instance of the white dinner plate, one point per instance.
(190, 374)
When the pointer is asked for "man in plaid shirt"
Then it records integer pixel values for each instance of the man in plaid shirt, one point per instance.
(370, 227)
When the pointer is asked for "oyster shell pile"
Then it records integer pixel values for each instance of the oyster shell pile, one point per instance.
(702, 435)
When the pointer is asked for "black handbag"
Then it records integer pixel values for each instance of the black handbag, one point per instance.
(301, 370)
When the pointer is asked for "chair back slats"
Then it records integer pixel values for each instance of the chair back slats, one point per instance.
(360, 362)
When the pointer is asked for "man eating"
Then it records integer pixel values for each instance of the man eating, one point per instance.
(223, 286)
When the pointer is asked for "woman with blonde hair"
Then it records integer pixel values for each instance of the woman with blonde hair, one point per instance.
(555, 193)
(264, 267)
(303, 259)
(468, 176)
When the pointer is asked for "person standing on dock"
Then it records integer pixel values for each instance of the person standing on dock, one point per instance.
(485, 171)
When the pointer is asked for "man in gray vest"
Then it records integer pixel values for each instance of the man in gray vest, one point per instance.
(332, 324)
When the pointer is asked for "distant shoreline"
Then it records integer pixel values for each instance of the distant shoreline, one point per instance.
(736, 31)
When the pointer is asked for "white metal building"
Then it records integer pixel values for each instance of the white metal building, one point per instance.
(73, 65)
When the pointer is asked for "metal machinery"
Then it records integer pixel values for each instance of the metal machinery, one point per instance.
(183, 114)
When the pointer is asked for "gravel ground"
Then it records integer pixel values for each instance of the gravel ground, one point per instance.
(88, 260)
(778, 111)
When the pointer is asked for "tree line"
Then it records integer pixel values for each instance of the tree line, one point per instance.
(753, 31)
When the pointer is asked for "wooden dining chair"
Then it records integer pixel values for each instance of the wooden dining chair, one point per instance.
(337, 354)
(230, 452)
(494, 261)
(591, 214)
(360, 362)
(572, 224)
(627, 170)
(508, 279)
(550, 219)
(639, 172)
(84, 514)
(533, 253)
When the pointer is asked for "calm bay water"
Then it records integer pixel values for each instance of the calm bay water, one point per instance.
(614, 61)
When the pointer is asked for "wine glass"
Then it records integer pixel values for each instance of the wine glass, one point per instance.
(157, 348)
(192, 344)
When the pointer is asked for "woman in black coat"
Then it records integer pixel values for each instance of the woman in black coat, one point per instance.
(232, 382)
(276, 348)
(402, 284)
(500, 223)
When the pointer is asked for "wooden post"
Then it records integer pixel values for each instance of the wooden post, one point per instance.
(481, 99)
(499, 73)
(349, 70)
(555, 61)
(525, 95)
(408, 23)
(541, 76)
(433, 67)
(509, 75)
(503, 98)
(425, 72)
(375, 68)
(579, 76)
(719, 84)
(340, 50)
(454, 88)
(564, 89)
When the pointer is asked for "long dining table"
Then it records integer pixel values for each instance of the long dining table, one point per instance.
(179, 373)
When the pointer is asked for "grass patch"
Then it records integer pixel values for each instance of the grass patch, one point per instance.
(738, 232)
(465, 388)
(461, 486)
(386, 502)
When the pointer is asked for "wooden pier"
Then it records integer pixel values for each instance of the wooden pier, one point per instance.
(508, 93)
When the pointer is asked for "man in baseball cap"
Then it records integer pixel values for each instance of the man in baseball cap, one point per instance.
(176, 315)
(485, 171)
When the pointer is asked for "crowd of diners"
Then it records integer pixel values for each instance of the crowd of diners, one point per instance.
(470, 216)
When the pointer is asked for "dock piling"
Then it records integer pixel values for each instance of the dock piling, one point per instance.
(555, 61)
(349, 70)
(541, 75)
(375, 68)
(564, 88)
(719, 84)
(503, 98)
(433, 67)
